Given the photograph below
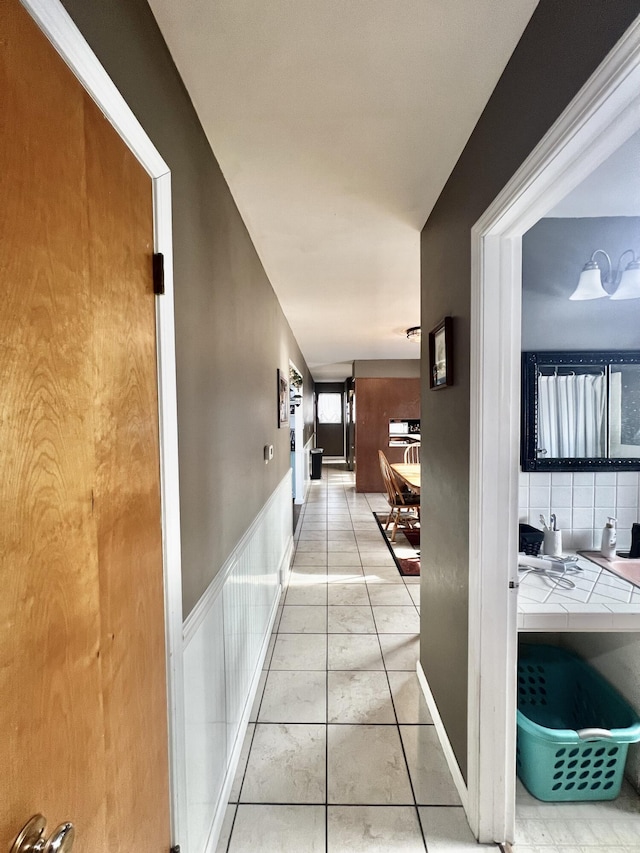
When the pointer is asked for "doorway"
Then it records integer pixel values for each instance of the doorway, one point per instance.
(330, 418)
(599, 120)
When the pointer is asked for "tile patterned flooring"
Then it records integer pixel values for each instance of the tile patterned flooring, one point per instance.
(341, 755)
(598, 827)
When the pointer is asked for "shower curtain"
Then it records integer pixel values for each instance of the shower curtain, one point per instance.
(571, 416)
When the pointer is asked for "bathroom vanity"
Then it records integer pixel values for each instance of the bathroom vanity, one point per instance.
(600, 601)
(580, 457)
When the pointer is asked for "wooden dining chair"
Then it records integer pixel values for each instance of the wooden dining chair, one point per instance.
(404, 507)
(412, 454)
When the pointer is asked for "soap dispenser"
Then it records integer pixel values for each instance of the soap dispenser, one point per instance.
(608, 547)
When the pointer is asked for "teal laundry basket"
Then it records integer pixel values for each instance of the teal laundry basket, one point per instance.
(574, 729)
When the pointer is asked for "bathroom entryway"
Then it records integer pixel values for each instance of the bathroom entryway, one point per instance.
(601, 118)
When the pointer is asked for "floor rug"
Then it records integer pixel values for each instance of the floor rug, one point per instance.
(405, 550)
(413, 535)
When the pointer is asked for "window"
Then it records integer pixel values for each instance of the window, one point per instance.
(329, 408)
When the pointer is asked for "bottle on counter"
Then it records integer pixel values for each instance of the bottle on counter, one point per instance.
(634, 553)
(609, 537)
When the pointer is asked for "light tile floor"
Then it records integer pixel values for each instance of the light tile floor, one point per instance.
(341, 755)
(597, 827)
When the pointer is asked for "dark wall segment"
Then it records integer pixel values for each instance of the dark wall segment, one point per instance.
(560, 48)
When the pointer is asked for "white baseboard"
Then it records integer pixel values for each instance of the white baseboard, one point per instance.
(449, 754)
(285, 568)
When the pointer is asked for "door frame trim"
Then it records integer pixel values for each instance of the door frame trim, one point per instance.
(603, 115)
(66, 38)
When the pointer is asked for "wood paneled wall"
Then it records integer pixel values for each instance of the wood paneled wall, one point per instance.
(378, 400)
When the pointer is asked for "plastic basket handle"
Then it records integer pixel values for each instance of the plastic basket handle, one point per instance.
(594, 734)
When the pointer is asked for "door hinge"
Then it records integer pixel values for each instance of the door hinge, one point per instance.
(513, 585)
(175, 849)
(158, 276)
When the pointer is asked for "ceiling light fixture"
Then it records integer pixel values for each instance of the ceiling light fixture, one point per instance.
(414, 333)
(626, 282)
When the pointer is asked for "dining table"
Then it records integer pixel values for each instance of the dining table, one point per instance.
(408, 473)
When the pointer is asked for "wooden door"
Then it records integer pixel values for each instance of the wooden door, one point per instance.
(83, 715)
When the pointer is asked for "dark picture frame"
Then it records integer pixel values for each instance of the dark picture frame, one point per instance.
(283, 399)
(441, 355)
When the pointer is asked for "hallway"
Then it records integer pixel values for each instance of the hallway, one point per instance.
(341, 754)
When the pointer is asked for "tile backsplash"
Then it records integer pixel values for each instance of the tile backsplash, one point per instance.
(582, 501)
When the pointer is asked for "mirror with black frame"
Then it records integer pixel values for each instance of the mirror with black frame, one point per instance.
(580, 411)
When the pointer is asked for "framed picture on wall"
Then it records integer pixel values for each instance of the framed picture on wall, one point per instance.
(441, 355)
(283, 399)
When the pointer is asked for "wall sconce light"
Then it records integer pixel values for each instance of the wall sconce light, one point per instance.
(414, 334)
(627, 281)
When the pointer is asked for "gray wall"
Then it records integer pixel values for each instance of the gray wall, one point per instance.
(231, 334)
(553, 254)
(562, 45)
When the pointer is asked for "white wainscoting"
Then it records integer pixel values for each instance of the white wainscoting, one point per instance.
(225, 642)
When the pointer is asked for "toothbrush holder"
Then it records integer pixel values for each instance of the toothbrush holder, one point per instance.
(552, 544)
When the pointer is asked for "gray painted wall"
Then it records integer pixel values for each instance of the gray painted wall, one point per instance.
(553, 254)
(562, 45)
(231, 334)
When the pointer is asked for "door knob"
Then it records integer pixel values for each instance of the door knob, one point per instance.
(31, 838)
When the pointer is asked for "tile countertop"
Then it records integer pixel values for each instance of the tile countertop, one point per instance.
(600, 601)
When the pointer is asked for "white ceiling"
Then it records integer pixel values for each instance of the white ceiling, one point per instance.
(336, 124)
